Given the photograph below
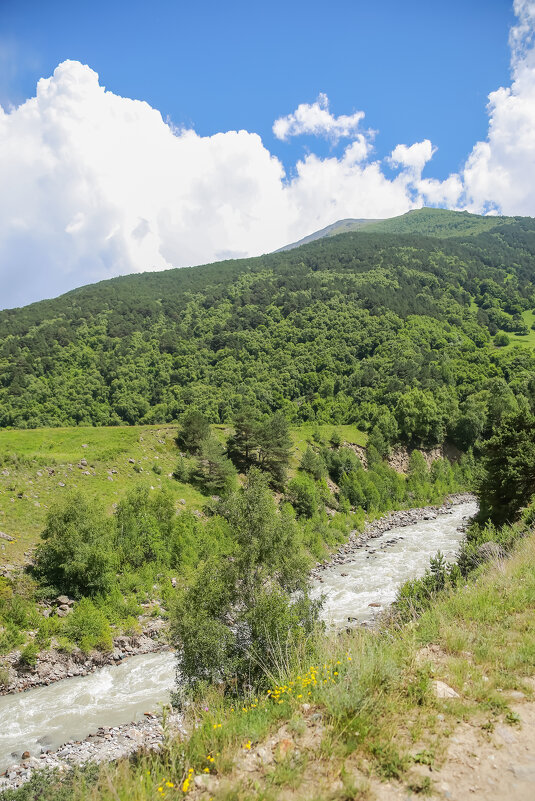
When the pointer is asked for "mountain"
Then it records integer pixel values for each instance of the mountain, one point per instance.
(344, 329)
(426, 221)
(340, 227)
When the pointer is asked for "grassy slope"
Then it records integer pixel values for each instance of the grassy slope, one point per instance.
(372, 714)
(27, 487)
(528, 340)
(437, 222)
(426, 221)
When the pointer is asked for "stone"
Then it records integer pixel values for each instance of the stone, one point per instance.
(490, 551)
(205, 781)
(284, 747)
(131, 461)
(26, 755)
(375, 604)
(442, 690)
(61, 484)
(63, 599)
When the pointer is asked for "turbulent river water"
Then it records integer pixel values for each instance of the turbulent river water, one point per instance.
(71, 709)
(46, 717)
(374, 572)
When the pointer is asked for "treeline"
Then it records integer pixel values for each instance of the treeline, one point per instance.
(344, 330)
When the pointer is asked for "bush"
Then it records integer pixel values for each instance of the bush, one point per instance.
(301, 493)
(183, 470)
(501, 339)
(28, 656)
(88, 627)
(77, 556)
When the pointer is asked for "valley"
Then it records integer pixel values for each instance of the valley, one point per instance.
(299, 483)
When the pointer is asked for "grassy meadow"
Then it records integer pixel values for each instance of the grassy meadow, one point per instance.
(37, 465)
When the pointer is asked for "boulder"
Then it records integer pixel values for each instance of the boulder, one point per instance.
(490, 551)
(442, 690)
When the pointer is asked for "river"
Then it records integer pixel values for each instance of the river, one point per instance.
(45, 717)
(373, 573)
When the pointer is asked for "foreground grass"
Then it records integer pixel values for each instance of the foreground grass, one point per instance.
(364, 711)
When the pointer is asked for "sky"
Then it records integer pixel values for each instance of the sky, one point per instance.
(137, 136)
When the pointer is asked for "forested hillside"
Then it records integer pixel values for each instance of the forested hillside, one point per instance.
(398, 333)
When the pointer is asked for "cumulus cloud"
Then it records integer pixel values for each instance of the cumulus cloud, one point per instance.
(96, 185)
(414, 156)
(499, 173)
(317, 120)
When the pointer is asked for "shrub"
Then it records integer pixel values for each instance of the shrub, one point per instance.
(29, 653)
(501, 339)
(88, 627)
(76, 557)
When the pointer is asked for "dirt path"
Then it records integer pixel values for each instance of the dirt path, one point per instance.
(499, 766)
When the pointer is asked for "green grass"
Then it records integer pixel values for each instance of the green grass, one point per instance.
(303, 436)
(528, 340)
(28, 487)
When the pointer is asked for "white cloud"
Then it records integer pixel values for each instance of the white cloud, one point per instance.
(414, 156)
(316, 119)
(96, 185)
(499, 173)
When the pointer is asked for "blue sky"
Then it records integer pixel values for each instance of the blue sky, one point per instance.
(119, 149)
(417, 69)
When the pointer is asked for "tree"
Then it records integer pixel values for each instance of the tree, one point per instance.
(301, 493)
(508, 482)
(144, 524)
(77, 557)
(242, 445)
(242, 610)
(194, 429)
(216, 471)
(313, 463)
(275, 446)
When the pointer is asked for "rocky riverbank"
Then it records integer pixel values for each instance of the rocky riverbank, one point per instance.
(105, 745)
(375, 528)
(54, 665)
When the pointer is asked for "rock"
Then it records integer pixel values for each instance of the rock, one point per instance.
(62, 612)
(83, 462)
(64, 599)
(205, 782)
(26, 755)
(61, 484)
(284, 747)
(490, 551)
(374, 604)
(442, 690)
(131, 461)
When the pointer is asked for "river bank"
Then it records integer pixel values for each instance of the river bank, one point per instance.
(107, 744)
(345, 592)
(392, 520)
(55, 665)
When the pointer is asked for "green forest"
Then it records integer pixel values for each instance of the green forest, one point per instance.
(410, 333)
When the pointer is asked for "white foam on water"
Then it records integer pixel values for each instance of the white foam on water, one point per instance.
(375, 571)
(46, 717)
